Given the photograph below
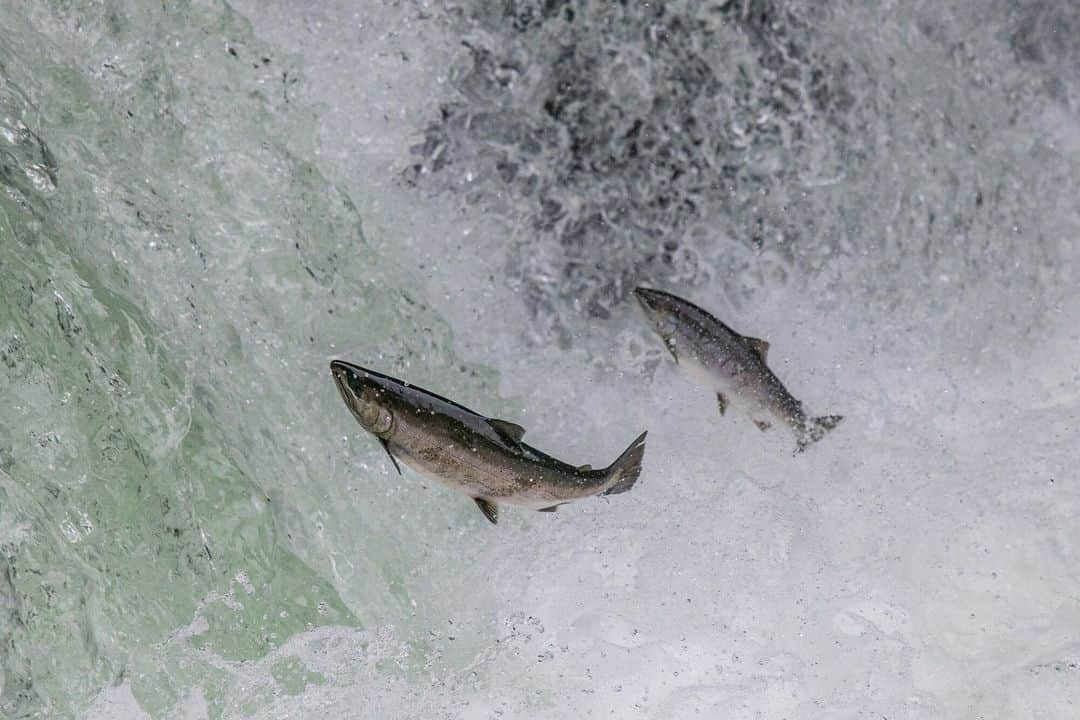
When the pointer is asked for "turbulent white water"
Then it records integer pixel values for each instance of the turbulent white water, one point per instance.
(205, 202)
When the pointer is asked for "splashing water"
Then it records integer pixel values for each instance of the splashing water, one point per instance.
(203, 203)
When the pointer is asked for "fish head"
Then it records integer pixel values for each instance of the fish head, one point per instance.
(661, 310)
(365, 397)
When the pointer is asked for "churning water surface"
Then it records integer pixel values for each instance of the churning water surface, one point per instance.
(203, 202)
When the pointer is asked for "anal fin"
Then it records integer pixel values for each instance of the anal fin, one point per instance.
(763, 425)
(721, 401)
(386, 447)
(553, 508)
(490, 510)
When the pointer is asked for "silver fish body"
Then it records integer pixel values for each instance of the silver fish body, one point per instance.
(733, 366)
(478, 456)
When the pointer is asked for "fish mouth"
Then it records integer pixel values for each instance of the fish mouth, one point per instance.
(645, 297)
(340, 371)
(647, 301)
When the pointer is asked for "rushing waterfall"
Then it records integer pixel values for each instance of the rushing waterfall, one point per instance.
(204, 202)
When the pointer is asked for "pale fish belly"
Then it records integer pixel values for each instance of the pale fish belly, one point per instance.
(746, 395)
(705, 373)
(709, 374)
(475, 477)
(442, 467)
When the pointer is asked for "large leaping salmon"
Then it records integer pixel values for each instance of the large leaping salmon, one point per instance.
(481, 457)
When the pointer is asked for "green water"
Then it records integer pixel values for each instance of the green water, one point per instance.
(173, 278)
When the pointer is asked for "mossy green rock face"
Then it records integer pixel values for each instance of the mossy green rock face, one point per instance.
(173, 278)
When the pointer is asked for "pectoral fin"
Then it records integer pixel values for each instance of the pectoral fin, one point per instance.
(490, 510)
(386, 447)
(507, 430)
(763, 425)
(761, 347)
(722, 402)
(669, 343)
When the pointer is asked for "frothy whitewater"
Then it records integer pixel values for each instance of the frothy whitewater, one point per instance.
(204, 202)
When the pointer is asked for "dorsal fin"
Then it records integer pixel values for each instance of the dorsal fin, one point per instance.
(507, 430)
(761, 347)
(584, 468)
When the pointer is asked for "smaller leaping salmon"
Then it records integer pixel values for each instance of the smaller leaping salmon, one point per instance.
(734, 366)
(481, 457)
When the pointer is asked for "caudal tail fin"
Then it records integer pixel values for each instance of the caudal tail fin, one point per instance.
(624, 471)
(815, 430)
